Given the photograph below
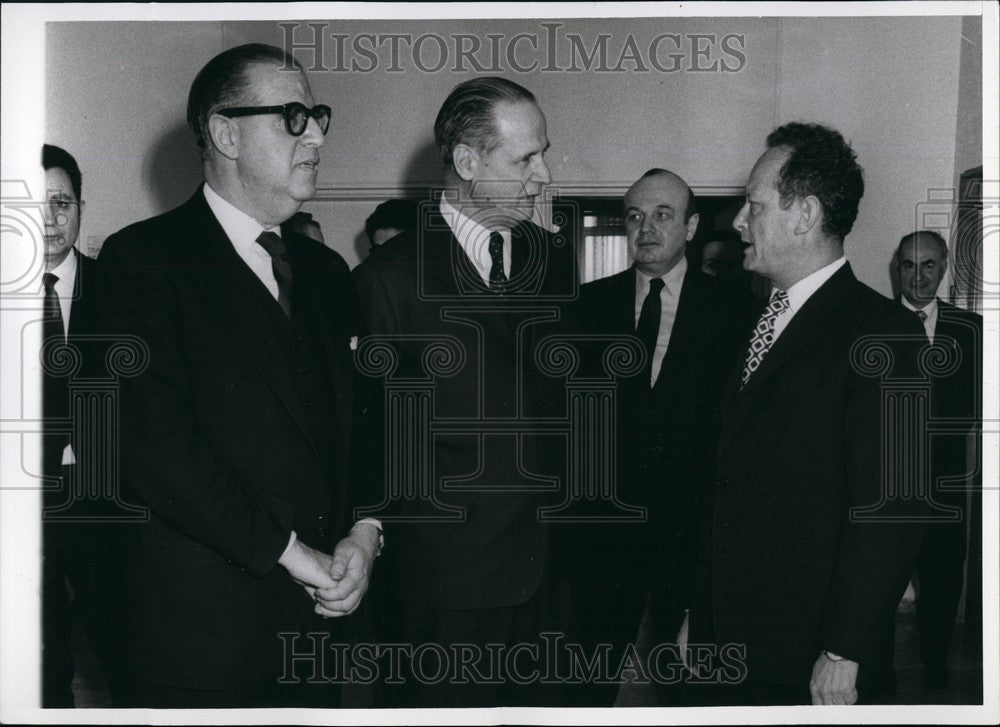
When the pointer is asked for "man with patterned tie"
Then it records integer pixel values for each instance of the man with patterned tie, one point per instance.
(690, 326)
(235, 434)
(921, 261)
(470, 562)
(802, 579)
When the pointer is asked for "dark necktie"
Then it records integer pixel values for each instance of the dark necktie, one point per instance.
(281, 268)
(648, 327)
(763, 334)
(921, 315)
(55, 395)
(497, 275)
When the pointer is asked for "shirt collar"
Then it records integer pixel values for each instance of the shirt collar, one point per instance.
(671, 281)
(66, 270)
(799, 293)
(472, 235)
(240, 228)
(930, 309)
(467, 231)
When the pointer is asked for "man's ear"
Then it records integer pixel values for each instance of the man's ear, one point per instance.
(692, 226)
(224, 135)
(810, 214)
(465, 159)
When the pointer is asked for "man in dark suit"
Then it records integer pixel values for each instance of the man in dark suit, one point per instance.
(921, 261)
(474, 282)
(67, 275)
(812, 547)
(667, 424)
(235, 431)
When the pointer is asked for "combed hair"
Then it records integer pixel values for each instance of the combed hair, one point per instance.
(821, 164)
(467, 115)
(55, 157)
(692, 201)
(223, 82)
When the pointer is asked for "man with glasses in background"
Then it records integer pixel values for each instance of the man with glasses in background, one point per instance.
(235, 433)
(67, 274)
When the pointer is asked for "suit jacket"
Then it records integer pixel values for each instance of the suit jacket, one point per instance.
(956, 396)
(219, 442)
(793, 572)
(60, 409)
(667, 434)
(482, 543)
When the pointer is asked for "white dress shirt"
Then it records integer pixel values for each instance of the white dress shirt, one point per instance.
(474, 238)
(802, 291)
(669, 298)
(65, 287)
(243, 231)
(931, 310)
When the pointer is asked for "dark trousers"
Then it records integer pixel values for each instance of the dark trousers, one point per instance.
(468, 657)
(82, 548)
(57, 656)
(606, 615)
(939, 571)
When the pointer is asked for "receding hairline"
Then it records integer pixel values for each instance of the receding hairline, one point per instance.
(688, 193)
(913, 237)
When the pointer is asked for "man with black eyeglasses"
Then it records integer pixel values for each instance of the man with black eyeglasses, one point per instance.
(235, 432)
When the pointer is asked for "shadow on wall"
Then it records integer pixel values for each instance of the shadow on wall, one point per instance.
(422, 173)
(172, 169)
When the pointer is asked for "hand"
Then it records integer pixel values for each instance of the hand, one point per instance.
(350, 571)
(834, 682)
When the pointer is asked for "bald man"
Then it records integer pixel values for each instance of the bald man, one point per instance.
(921, 262)
(666, 423)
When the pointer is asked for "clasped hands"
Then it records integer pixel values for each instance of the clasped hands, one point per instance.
(336, 582)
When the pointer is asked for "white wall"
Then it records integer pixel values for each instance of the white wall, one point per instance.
(890, 85)
(117, 95)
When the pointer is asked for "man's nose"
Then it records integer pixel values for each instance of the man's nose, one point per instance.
(313, 135)
(49, 216)
(740, 223)
(541, 172)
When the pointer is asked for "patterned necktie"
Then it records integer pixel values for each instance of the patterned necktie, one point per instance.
(648, 327)
(763, 334)
(497, 275)
(55, 394)
(282, 270)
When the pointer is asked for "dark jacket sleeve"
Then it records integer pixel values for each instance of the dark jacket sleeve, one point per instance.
(165, 458)
(884, 515)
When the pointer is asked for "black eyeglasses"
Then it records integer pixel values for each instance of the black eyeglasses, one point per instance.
(296, 115)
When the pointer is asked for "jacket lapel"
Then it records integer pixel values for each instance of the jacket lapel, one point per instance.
(689, 337)
(622, 300)
(240, 300)
(453, 276)
(809, 323)
(334, 330)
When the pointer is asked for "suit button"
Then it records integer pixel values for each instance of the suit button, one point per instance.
(723, 481)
